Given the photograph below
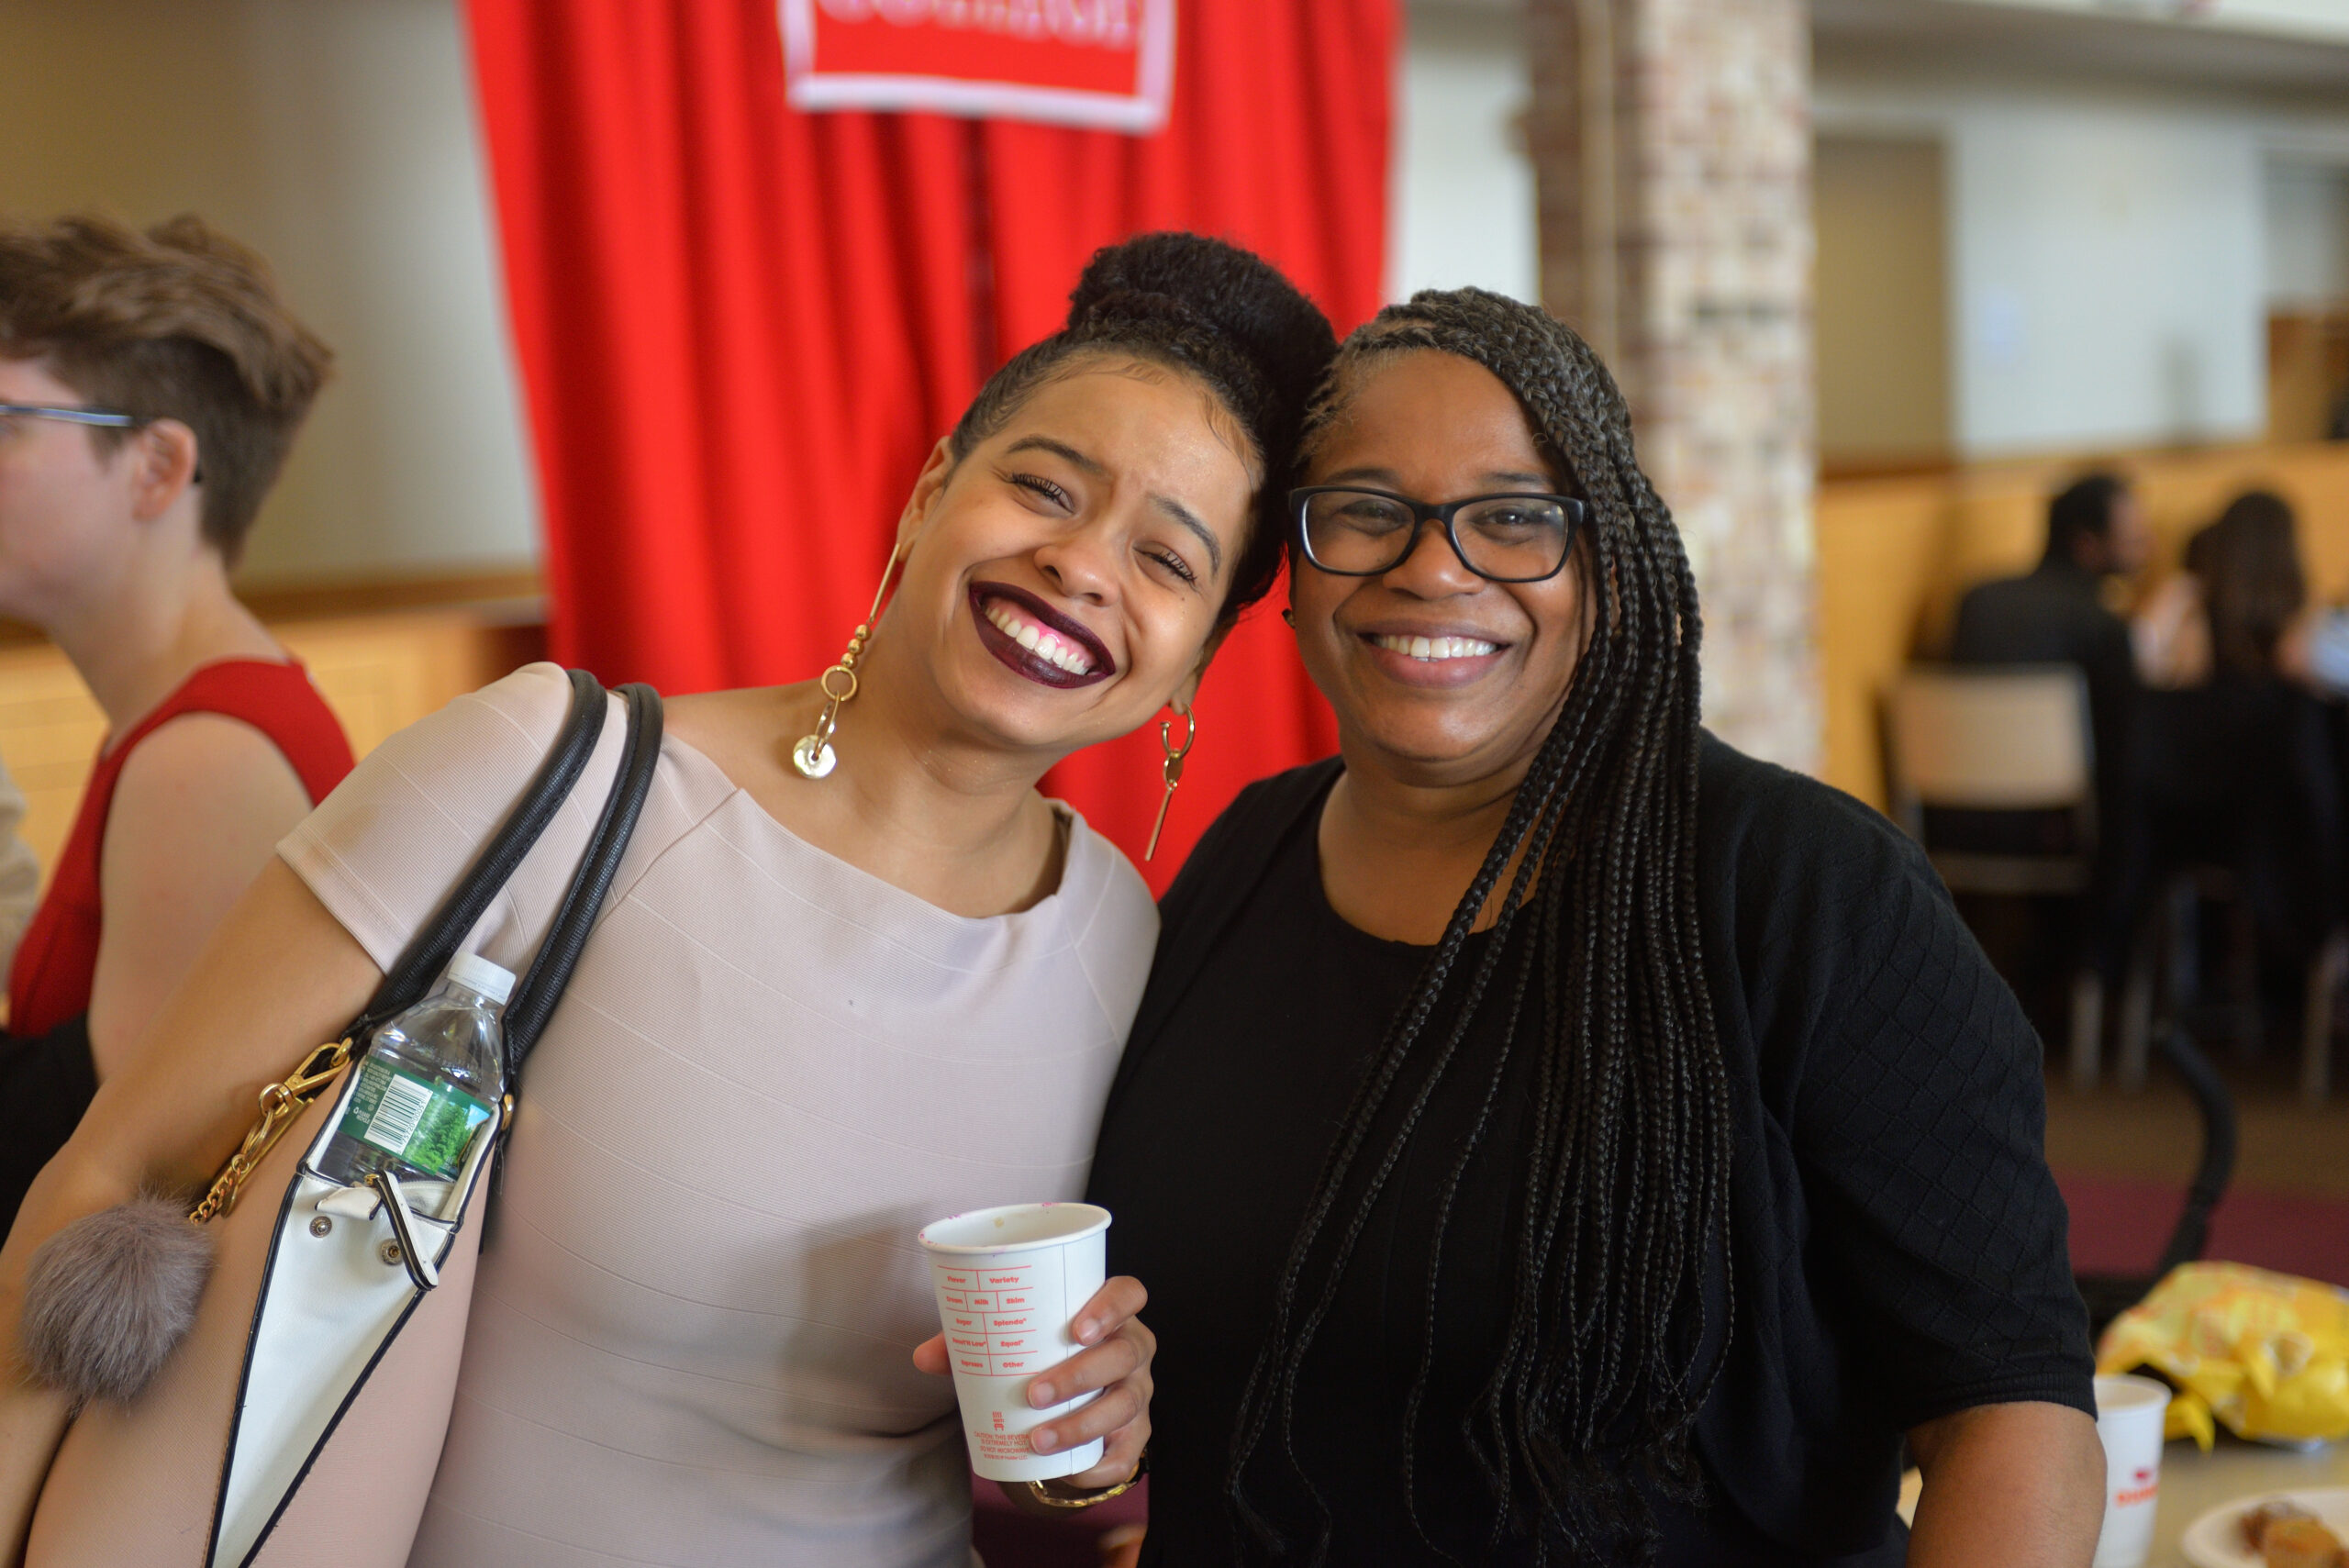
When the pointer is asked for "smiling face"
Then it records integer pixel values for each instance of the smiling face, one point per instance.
(1437, 675)
(1065, 576)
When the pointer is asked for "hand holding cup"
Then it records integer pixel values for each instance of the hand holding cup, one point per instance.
(1052, 1364)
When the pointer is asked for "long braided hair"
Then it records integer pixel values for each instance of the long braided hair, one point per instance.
(1609, 1348)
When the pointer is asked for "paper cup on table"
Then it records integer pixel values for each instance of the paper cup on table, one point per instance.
(2129, 1412)
(1008, 1282)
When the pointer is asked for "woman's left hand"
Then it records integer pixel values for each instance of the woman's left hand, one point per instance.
(1116, 1361)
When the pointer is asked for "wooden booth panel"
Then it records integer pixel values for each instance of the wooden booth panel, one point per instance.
(50, 731)
(379, 673)
(2307, 372)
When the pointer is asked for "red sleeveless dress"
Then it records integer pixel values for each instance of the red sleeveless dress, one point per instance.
(49, 982)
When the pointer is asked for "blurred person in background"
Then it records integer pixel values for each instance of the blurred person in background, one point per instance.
(150, 385)
(2235, 763)
(2056, 614)
(2239, 611)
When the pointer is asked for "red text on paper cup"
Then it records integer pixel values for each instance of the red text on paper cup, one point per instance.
(992, 1327)
(1001, 1445)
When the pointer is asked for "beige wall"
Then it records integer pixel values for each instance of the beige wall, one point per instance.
(1462, 202)
(338, 137)
(2107, 245)
(1883, 305)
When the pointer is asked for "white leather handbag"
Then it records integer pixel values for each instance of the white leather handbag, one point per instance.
(348, 1267)
(346, 1273)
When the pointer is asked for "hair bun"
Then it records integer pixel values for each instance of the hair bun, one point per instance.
(1229, 291)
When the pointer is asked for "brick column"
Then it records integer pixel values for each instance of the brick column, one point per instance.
(1671, 140)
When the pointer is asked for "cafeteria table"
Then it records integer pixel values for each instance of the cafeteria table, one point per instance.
(2193, 1482)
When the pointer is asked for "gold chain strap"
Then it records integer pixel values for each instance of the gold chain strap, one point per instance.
(280, 1103)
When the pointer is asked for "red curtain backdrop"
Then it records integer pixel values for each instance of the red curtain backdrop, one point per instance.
(742, 328)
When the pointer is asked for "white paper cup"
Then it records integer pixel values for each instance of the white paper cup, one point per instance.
(2129, 1412)
(1009, 1280)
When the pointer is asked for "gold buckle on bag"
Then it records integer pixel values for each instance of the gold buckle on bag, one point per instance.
(280, 1103)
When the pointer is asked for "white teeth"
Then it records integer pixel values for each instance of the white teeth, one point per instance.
(1043, 643)
(1430, 648)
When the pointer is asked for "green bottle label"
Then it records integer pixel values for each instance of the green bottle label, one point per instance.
(427, 1124)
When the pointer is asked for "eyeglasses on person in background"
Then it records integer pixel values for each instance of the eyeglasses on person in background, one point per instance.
(1515, 538)
(74, 413)
(112, 418)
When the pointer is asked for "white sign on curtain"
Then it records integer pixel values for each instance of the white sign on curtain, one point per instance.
(1106, 65)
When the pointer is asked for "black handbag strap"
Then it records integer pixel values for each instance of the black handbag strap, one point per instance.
(429, 951)
(435, 943)
(534, 1000)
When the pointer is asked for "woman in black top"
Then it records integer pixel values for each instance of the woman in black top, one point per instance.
(1549, 1135)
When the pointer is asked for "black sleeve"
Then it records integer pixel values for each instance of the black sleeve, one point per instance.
(1920, 1128)
(1215, 882)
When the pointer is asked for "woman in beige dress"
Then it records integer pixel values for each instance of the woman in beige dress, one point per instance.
(817, 1012)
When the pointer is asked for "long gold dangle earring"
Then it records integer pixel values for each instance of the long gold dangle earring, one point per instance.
(1173, 769)
(814, 756)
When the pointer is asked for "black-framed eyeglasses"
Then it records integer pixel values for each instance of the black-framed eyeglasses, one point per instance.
(112, 418)
(1349, 531)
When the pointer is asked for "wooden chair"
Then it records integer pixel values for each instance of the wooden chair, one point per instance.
(2010, 738)
(2217, 768)
(2015, 737)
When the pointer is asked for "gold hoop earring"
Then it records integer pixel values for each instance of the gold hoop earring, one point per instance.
(1173, 769)
(814, 756)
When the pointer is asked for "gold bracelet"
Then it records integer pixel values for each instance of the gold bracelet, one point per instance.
(1036, 1489)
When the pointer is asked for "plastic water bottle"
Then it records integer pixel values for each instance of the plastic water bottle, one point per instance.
(428, 1082)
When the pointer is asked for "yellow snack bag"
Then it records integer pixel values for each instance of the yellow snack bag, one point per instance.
(2266, 1354)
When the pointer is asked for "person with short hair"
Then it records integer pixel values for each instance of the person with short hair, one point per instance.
(2055, 614)
(150, 385)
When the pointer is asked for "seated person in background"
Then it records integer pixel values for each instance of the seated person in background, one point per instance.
(2239, 611)
(2234, 763)
(150, 385)
(2056, 614)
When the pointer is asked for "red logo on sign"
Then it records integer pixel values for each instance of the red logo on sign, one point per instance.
(1107, 64)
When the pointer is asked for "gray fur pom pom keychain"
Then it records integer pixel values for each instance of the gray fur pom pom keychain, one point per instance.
(108, 1298)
